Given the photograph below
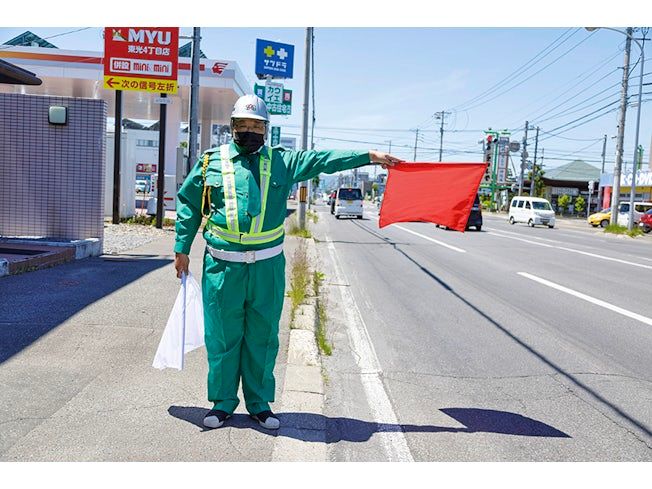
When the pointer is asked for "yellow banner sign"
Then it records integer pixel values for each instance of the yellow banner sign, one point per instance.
(140, 84)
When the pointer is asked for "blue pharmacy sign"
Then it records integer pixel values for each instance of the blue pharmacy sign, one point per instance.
(274, 59)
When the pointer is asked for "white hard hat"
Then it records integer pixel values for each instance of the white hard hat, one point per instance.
(250, 107)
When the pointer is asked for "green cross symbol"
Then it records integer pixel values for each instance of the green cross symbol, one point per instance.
(269, 52)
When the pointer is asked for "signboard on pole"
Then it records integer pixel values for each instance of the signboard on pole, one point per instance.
(274, 59)
(277, 98)
(141, 58)
(501, 162)
(276, 136)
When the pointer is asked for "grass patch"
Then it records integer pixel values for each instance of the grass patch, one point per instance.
(145, 220)
(299, 279)
(293, 228)
(312, 216)
(618, 229)
(322, 343)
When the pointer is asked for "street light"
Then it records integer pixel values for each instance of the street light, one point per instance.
(614, 210)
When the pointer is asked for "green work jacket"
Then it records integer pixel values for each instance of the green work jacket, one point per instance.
(288, 168)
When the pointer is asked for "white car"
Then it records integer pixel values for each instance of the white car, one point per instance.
(531, 210)
(640, 208)
(348, 202)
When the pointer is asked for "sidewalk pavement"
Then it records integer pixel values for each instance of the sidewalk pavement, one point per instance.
(76, 347)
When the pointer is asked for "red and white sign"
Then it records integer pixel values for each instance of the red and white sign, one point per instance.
(141, 58)
(146, 167)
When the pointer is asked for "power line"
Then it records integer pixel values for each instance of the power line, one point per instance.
(524, 67)
(582, 78)
(533, 74)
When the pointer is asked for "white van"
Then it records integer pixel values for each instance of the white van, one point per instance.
(532, 210)
(348, 202)
(640, 208)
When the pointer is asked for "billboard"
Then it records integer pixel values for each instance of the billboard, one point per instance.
(144, 59)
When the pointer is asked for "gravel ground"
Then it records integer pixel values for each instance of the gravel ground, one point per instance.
(123, 237)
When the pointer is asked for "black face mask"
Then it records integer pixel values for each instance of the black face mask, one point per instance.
(250, 141)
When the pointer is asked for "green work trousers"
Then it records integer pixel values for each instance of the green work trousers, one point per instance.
(242, 308)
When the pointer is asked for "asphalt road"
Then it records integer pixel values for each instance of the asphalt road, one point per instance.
(509, 344)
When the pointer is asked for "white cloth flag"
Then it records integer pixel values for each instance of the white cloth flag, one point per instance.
(185, 327)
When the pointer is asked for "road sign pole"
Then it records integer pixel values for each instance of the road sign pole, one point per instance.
(304, 130)
(194, 101)
(160, 200)
(117, 140)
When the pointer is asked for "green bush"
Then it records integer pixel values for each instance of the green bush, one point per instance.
(562, 202)
(580, 204)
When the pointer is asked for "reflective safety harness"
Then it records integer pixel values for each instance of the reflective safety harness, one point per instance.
(232, 234)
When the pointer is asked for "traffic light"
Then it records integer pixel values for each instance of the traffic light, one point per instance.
(488, 156)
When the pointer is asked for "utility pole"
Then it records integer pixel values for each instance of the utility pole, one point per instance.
(615, 195)
(523, 158)
(416, 139)
(303, 186)
(441, 115)
(534, 165)
(194, 101)
(604, 153)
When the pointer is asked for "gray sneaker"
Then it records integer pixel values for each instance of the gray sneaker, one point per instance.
(215, 418)
(267, 419)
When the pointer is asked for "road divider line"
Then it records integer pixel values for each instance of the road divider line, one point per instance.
(440, 243)
(573, 250)
(606, 257)
(394, 442)
(522, 239)
(588, 298)
(516, 234)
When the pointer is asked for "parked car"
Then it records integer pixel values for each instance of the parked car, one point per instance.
(531, 210)
(141, 187)
(348, 202)
(601, 218)
(646, 221)
(475, 217)
(640, 208)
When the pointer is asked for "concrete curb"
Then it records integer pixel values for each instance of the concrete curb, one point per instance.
(303, 390)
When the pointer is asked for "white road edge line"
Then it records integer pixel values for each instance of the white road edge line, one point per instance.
(588, 298)
(394, 443)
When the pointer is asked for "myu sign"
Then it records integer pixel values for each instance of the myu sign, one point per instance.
(141, 58)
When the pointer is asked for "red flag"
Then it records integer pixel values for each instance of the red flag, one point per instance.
(442, 193)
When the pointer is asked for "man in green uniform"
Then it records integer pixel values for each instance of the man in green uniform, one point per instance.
(242, 189)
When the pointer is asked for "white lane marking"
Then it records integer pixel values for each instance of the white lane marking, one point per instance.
(588, 298)
(572, 250)
(517, 234)
(394, 442)
(606, 257)
(441, 243)
(522, 239)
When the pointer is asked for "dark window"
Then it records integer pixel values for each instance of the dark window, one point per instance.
(350, 194)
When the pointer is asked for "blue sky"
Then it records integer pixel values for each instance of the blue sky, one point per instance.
(375, 85)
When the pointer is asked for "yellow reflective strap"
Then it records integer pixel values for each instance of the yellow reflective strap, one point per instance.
(245, 238)
(230, 196)
(264, 165)
(206, 193)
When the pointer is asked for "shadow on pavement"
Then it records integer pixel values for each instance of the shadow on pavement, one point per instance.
(35, 303)
(517, 340)
(311, 427)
